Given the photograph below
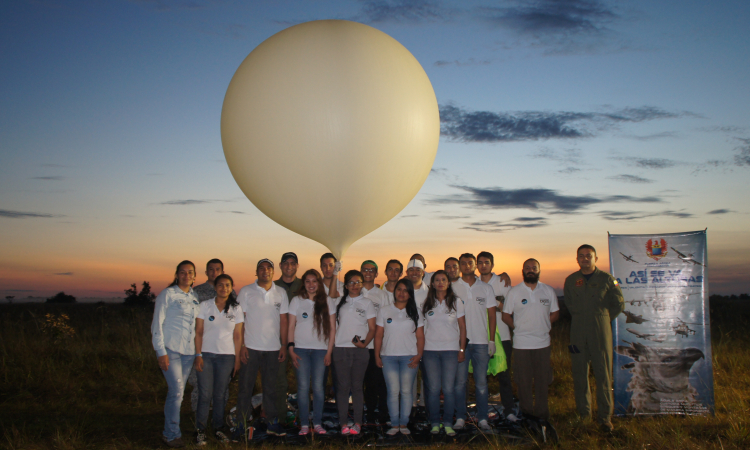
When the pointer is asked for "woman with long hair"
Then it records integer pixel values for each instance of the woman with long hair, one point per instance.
(173, 338)
(218, 340)
(355, 318)
(399, 343)
(312, 326)
(445, 342)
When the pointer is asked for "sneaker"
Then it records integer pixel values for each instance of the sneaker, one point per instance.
(435, 429)
(459, 425)
(392, 432)
(200, 438)
(221, 436)
(355, 429)
(304, 431)
(345, 430)
(404, 430)
(450, 431)
(174, 443)
(275, 429)
(511, 418)
(484, 426)
(319, 429)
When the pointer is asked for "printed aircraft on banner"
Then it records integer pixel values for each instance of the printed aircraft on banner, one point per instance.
(634, 318)
(646, 336)
(628, 258)
(686, 258)
(683, 329)
(635, 302)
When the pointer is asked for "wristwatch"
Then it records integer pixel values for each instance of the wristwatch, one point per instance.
(289, 345)
(461, 350)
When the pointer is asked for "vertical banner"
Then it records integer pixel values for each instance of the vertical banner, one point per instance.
(662, 343)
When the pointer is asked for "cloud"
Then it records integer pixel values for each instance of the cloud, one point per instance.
(465, 63)
(545, 17)
(494, 226)
(171, 5)
(635, 215)
(410, 11)
(651, 137)
(460, 125)
(49, 178)
(648, 163)
(536, 199)
(26, 215)
(192, 202)
(730, 129)
(452, 217)
(65, 274)
(742, 158)
(408, 216)
(625, 178)
(720, 211)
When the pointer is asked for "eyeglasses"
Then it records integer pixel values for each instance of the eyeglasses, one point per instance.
(369, 270)
(354, 283)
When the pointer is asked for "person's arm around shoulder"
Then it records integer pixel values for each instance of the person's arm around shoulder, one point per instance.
(292, 325)
(508, 311)
(157, 334)
(414, 362)
(613, 298)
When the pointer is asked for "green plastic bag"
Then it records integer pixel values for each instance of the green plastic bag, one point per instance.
(497, 363)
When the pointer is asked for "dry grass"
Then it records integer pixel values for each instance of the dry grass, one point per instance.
(99, 387)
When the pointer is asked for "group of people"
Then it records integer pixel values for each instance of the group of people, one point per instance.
(374, 339)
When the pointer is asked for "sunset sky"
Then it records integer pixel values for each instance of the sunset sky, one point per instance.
(561, 121)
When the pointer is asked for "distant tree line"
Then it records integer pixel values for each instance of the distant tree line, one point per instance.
(145, 297)
(61, 297)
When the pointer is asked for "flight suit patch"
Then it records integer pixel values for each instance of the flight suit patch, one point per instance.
(579, 282)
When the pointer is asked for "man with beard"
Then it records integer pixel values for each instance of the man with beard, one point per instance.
(529, 310)
(594, 300)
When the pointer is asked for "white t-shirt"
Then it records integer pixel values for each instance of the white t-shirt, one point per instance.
(305, 333)
(218, 327)
(399, 337)
(500, 289)
(478, 298)
(441, 331)
(339, 287)
(427, 278)
(420, 295)
(531, 310)
(262, 310)
(352, 320)
(379, 299)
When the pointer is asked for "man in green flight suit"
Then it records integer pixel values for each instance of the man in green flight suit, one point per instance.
(594, 300)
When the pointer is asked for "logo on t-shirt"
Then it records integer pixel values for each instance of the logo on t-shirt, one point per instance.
(304, 315)
(211, 319)
(544, 301)
(361, 312)
(480, 300)
(524, 301)
(278, 306)
(377, 307)
(452, 314)
(431, 313)
(230, 317)
(389, 320)
(195, 301)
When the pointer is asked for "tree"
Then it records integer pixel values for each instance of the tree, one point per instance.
(61, 297)
(145, 297)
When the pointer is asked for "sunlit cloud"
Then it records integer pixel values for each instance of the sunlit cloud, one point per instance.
(26, 215)
(625, 178)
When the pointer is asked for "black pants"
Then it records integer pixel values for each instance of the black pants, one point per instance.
(376, 395)
(267, 363)
(504, 379)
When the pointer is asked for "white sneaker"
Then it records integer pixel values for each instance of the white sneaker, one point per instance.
(459, 425)
(484, 426)
(511, 418)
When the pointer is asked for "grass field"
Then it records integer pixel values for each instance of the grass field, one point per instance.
(91, 382)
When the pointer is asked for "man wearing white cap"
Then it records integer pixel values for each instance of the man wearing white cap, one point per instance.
(265, 307)
(427, 275)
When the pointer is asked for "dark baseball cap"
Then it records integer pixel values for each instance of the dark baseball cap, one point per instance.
(288, 255)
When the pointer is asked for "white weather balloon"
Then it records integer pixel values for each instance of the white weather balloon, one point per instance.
(330, 128)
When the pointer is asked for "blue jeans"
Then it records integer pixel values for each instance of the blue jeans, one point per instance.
(212, 383)
(311, 366)
(442, 367)
(398, 380)
(477, 354)
(176, 376)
